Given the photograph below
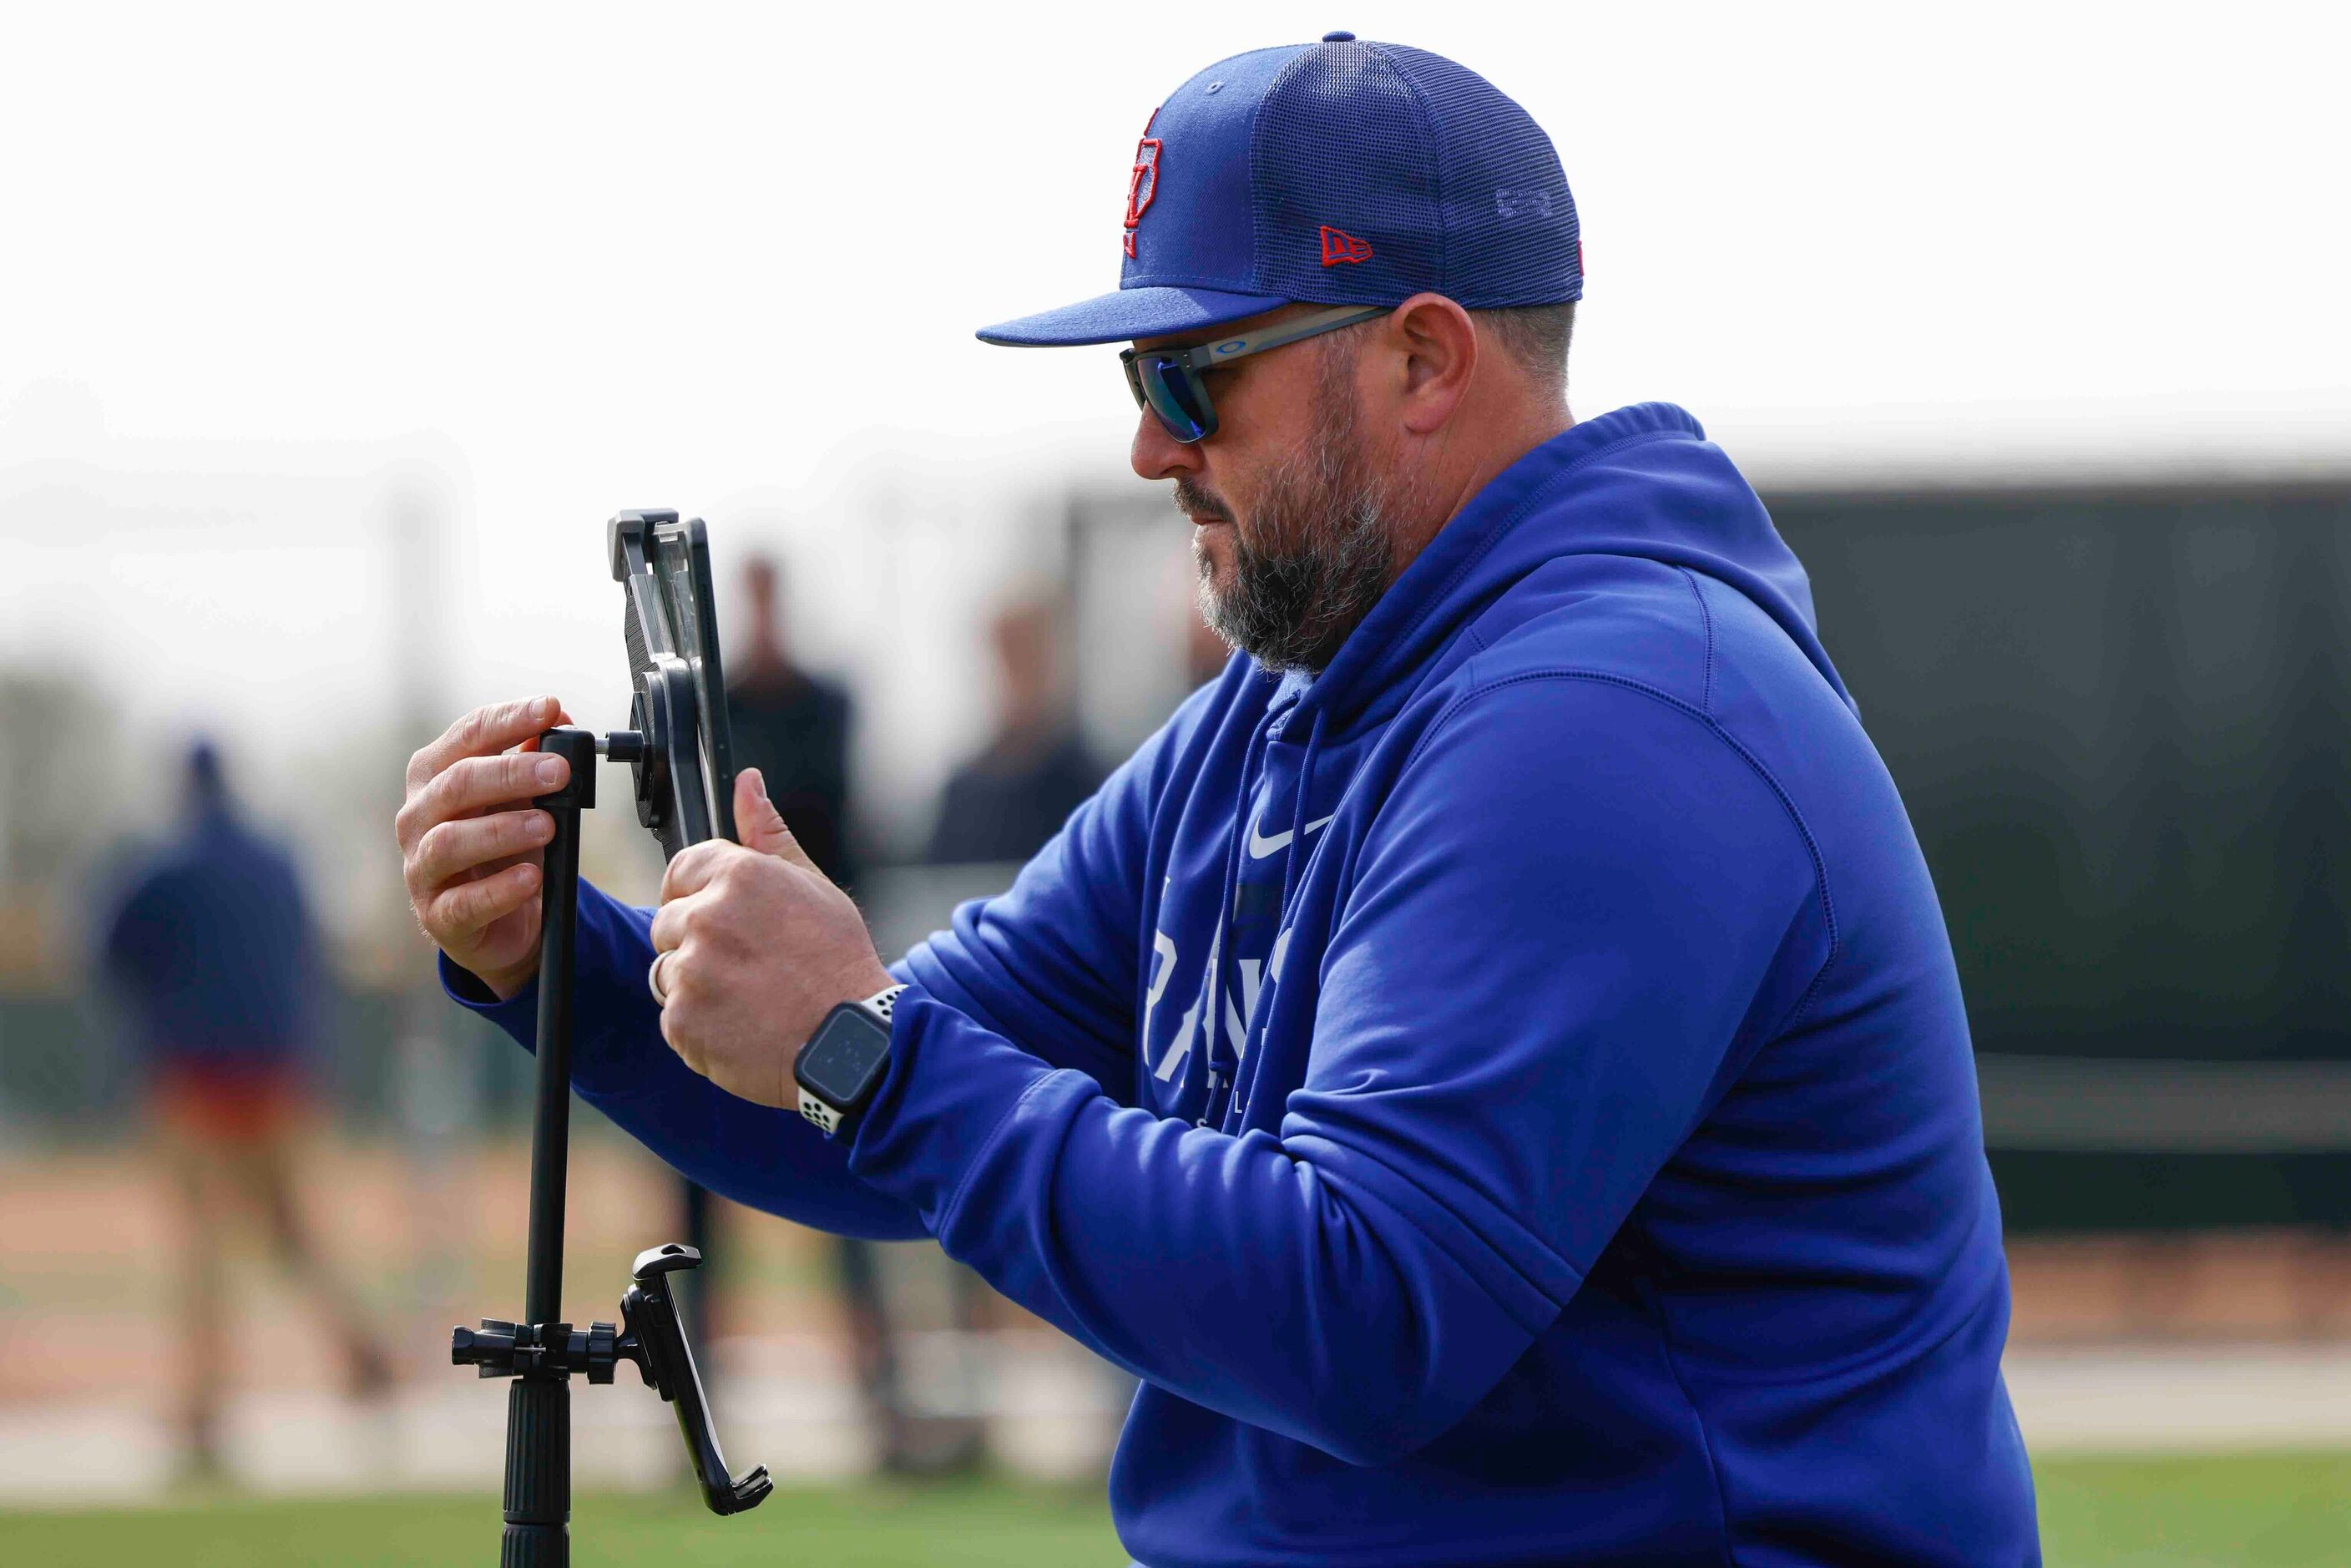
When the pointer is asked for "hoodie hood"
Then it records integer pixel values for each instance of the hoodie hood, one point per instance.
(1643, 481)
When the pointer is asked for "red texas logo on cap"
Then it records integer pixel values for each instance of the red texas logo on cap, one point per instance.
(1338, 246)
(1142, 180)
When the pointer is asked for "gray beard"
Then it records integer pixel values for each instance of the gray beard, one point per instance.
(1324, 530)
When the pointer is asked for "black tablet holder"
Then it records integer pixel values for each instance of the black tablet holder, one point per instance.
(677, 747)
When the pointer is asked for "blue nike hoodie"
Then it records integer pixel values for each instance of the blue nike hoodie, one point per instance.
(1507, 1097)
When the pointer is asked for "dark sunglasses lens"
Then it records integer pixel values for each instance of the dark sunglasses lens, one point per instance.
(1175, 398)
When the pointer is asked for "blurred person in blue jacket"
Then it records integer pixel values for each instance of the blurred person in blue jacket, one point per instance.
(1492, 1063)
(213, 949)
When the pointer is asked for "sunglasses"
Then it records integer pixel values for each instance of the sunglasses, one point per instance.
(1168, 381)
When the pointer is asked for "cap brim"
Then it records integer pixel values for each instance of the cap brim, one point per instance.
(1127, 313)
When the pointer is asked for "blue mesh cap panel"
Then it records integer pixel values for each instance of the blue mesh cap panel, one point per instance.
(1343, 142)
(1511, 229)
(1195, 231)
(1447, 183)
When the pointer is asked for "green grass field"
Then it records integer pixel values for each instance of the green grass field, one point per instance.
(2253, 1510)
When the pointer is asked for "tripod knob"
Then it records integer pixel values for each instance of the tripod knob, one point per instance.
(489, 1349)
(596, 1352)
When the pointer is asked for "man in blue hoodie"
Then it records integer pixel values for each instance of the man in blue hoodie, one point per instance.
(1492, 1064)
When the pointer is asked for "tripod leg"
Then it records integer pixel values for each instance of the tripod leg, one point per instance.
(538, 1474)
(550, 1133)
(539, 1406)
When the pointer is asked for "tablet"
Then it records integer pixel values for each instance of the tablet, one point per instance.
(685, 766)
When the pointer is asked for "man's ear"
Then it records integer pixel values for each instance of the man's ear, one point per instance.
(1439, 343)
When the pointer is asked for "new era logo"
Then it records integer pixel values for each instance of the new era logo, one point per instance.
(1339, 246)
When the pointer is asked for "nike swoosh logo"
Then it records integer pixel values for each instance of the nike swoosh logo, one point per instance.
(1259, 848)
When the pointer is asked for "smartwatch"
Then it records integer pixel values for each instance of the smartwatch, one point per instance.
(841, 1065)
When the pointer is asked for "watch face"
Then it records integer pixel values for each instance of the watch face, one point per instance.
(844, 1062)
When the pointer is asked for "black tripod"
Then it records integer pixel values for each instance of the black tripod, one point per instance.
(540, 1353)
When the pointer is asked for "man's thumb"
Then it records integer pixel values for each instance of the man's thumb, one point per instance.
(760, 823)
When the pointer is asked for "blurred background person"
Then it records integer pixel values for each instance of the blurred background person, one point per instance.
(213, 949)
(1001, 804)
(998, 808)
(793, 726)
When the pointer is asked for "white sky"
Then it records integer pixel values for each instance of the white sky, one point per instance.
(731, 256)
(693, 250)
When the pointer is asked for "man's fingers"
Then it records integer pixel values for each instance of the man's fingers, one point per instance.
(680, 1039)
(470, 905)
(756, 817)
(482, 732)
(449, 849)
(669, 923)
(694, 866)
(761, 825)
(471, 784)
(561, 717)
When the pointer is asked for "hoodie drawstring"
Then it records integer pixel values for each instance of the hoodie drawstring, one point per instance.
(1223, 1082)
(1291, 867)
(1217, 1068)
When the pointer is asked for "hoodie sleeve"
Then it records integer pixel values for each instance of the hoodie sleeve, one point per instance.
(1565, 920)
(1050, 963)
(755, 1154)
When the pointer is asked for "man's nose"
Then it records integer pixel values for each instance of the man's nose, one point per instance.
(1156, 454)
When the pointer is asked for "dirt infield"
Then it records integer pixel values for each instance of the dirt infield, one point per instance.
(2214, 1341)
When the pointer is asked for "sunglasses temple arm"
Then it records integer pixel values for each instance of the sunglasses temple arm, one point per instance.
(1288, 332)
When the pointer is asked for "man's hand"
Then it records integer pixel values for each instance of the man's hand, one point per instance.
(471, 846)
(756, 947)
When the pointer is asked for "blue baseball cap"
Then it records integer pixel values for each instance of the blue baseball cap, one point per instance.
(1341, 173)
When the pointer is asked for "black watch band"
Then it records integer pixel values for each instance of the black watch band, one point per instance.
(841, 1065)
